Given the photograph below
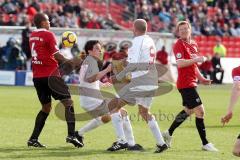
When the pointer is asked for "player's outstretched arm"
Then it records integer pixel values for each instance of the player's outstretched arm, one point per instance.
(131, 67)
(99, 75)
(60, 58)
(233, 100)
(181, 63)
(202, 79)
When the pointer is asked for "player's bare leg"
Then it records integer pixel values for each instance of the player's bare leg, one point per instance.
(199, 112)
(153, 125)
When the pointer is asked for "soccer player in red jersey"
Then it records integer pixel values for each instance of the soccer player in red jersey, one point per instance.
(233, 100)
(187, 56)
(45, 59)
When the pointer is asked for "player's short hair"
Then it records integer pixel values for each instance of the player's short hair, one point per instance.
(38, 19)
(89, 45)
(140, 25)
(180, 23)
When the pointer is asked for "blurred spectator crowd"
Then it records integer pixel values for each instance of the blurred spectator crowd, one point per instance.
(16, 53)
(208, 17)
(62, 13)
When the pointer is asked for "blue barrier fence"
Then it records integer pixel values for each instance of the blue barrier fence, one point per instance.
(24, 78)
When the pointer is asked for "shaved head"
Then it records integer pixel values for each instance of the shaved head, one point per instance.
(140, 25)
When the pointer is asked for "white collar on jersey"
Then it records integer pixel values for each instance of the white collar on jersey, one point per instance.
(38, 30)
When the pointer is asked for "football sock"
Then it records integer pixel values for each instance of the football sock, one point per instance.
(39, 123)
(117, 122)
(70, 118)
(127, 128)
(90, 126)
(153, 125)
(201, 130)
(180, 118)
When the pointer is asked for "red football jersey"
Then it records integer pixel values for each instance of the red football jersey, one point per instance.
(187, 76)
(236, 73)
(43, 46)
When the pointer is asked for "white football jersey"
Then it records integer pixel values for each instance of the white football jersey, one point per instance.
(143, 50)
(89, 99)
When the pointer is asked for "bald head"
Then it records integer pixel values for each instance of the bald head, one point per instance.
(140, 26)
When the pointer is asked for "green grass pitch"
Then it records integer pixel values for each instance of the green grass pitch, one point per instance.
(19, 106)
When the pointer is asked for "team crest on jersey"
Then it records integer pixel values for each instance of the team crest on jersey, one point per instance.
(179, 55)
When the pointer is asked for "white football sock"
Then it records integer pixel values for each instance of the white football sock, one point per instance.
(90, 126)
(127, 127)
(153, 125)
(117, 122)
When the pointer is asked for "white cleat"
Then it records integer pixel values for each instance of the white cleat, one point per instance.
(167, 138)
(209, 147)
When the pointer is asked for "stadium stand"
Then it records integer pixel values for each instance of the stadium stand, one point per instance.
(210, 19)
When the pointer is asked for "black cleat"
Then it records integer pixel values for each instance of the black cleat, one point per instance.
(74, 141)
(136, 147)
(117, 146)
(162, 148)
(79, 138)
(35, 143)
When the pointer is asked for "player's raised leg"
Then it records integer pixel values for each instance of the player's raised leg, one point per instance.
(93, 124)
(180, 118)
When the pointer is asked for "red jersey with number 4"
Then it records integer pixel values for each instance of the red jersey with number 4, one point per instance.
(43, 46)
(187, 76)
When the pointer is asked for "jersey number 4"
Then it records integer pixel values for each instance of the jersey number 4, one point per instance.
(34, 53)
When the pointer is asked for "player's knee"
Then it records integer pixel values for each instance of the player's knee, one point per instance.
(47, 108)
(67, 102)
(106, 118)
(200, 114)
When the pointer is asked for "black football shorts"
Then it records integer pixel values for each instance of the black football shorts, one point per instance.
(190, 97)
(48, 87)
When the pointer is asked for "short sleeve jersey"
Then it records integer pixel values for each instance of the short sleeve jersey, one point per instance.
(187, 76)
(143, 50)
(90, 95)
(43, 46)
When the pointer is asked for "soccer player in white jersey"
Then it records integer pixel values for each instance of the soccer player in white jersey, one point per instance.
(141, 65)
(91, 99)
